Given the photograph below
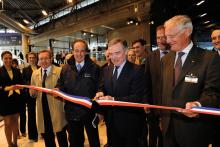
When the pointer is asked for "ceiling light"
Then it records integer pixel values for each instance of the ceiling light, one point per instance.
(107, 27)
(211, 25)
(44, 12)
(26, 21)
(199, 3)
(84, 33)
(70, 1)
(128, 22)
(131, 21)
(204, 14)
(91, 35)
(0, 1)
(206, 22)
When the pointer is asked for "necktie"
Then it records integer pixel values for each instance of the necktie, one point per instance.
(44, 78)
(46, 111)
(115, 75)
(178, 66)
(165, 52)
(78, 66)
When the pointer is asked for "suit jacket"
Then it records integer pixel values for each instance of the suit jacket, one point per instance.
(56, 105)
(26, 75)
(129, 88)
(153, 76)
(12, 104)
(201, 64)
(83, 83)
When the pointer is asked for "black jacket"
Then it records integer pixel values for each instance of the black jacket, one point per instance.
(26, 75)
(83, 83)
(201, 65)
(12, 104)
(130, 88)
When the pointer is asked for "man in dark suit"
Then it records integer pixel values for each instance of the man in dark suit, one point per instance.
(80, 77)
(31, 102)
(123, 81)
(152, 70)
(215, 37)
(190, 77)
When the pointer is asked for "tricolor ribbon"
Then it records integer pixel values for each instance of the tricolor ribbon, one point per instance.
(87, 102)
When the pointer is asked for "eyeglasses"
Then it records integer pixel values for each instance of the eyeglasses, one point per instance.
(174, 35)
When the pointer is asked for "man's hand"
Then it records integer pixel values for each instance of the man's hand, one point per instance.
(54, 89)
(107, 97)
(98, 95)
(33, 93)
(189, 106)
(146, 110)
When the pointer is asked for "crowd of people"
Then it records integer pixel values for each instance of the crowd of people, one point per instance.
(177, 74)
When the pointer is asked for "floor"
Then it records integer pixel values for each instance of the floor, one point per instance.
(24, 141)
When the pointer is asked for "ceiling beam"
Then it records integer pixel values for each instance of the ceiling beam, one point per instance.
(10, 23)
(68, 25)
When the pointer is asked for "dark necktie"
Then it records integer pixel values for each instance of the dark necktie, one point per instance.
(46, 111)
(178, 66)
(44, 78)
(114, 77)
(165, 52)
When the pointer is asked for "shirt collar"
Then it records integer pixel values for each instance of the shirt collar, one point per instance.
(48, 70)
(122, 65)
(81, 63)
(187, 49)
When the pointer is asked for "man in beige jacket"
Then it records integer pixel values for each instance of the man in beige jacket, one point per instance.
(50, 110)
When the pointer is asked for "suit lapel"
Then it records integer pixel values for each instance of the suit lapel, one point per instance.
(121, 76)
(191, 60)
(39, 76)
(7, 75)
(123, 73)
(170, 68)
(109, 74)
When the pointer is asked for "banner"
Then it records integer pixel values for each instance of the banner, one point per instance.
(87, 102)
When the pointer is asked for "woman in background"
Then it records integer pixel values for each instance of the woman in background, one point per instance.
(10, 98)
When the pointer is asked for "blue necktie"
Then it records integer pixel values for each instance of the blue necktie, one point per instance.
(78, 66)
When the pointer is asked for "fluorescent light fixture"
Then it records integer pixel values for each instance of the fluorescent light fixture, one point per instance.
(206, 22)
(199, 3)
(107, 27)
(26, 21)
(211, 25)
(44, 12)
(204, 14)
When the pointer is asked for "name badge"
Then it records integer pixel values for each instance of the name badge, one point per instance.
(191, 79)
(86, 75)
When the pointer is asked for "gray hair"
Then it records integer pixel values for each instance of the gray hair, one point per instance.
(183, 21)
